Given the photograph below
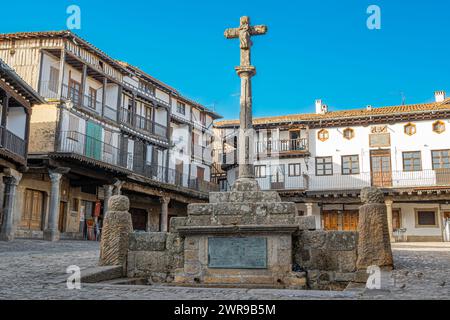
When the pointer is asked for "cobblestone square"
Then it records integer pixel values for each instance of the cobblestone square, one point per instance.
(37, 270)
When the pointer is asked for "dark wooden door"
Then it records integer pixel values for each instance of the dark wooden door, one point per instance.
(396, 219)
(33, 210)
(200, 174)
(139, 218)
(179, 173)
(62, 216)
(381, 168)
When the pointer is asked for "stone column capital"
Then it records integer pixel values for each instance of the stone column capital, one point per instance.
(12, 177)
(165, 200)
(389, 202)
(56, 174)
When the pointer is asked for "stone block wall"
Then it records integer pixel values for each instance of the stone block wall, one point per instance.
(155, 256)
(328, 257)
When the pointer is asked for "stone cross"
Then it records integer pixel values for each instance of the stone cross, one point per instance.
(246, 71)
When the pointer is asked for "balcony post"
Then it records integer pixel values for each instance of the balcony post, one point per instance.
(133, 110)
(11, 180)
(164, 214)
(61, 73)
(83, 80)
(119, 103)
(5, 109)
(105, 83)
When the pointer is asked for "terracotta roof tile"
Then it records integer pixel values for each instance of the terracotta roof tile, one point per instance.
(356, 113)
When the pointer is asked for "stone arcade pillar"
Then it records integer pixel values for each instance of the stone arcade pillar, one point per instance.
(11, 180)
(164, 214)
(52, 232)
(389, 217)
(108, 194)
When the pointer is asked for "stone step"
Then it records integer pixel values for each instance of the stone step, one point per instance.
(249, 196)
(100, 274)
(242, 208)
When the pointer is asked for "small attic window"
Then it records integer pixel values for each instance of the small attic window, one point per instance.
(323, 135)
(410, 129)
(439, 127)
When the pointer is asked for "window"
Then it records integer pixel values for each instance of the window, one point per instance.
(350, 165)
(260, 171)
(412, 161)
(74, 93)
(147, 88)
(426, 218)
(441, 159)
(295, 170)
(53, 80)
(181, 108)
(349, 134)
(439, 127)
(92, 98)
(324, 166)
(323, 135)
(410, 129)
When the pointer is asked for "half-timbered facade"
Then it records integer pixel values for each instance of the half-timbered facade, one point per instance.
(104, 129)
(16, 101)
(321, 161)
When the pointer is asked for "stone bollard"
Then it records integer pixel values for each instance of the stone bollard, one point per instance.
(374, 245)
(115, 234)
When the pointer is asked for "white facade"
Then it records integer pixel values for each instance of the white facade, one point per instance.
(341, 158)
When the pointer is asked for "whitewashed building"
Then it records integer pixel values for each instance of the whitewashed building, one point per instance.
(322, 160)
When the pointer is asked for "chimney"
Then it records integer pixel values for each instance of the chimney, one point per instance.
(369, 108)
(320, 107)
(439, 96)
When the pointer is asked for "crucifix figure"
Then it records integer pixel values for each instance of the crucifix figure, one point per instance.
(246, 71)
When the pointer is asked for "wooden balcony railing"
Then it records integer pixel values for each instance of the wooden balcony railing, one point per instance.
(13, 143)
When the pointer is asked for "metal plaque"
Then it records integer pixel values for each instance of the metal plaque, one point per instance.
(237, 253)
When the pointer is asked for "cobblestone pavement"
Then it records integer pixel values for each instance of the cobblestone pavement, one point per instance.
(37, 270)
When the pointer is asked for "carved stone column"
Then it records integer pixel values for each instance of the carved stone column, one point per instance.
(11, 180)
(52, 232)
(164, 221)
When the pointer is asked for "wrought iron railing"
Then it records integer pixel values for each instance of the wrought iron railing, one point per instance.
(90, 147)
(281, 146)
(137, 121)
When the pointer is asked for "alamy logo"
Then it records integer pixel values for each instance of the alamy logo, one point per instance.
(374, 280)
(74, 280)
(374, 20)
(74, 19)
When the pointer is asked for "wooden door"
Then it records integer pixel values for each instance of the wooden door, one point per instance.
(350, 220)
(330, 220)
(381, 168)
(200, 174)
(93, 140)
(179, 167)
(33, 210)
(139, 217)
(396, 219)
(62, 216)
(277, 177)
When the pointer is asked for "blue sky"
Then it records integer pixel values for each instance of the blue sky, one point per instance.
(314, 49)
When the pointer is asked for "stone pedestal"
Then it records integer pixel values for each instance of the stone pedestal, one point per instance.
(374, 245)
(238, 219)
(117, 228)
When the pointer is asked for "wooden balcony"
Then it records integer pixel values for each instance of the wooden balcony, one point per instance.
(12, 143)
(282, 148)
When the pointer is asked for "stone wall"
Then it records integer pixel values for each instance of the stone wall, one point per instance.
(155, 256)
(328, 257)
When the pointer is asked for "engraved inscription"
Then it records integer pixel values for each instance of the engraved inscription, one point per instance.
(237, 253)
